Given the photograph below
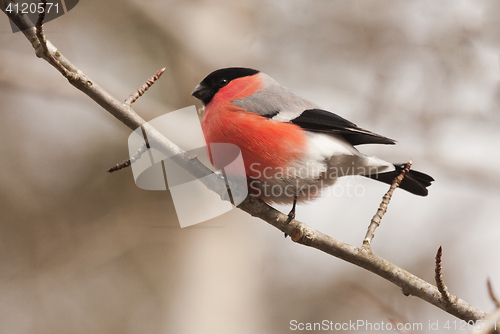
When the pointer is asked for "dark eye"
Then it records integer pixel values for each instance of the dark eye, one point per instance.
(223, 82)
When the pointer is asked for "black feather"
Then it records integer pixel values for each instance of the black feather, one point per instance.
(318, 120)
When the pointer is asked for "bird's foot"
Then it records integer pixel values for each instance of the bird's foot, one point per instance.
(291, 214)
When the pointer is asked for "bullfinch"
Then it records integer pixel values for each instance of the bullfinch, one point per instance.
(291, 148)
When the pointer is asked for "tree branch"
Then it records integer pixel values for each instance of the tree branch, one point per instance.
(438, 276)
(299, 232)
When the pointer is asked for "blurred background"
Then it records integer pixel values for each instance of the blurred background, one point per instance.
(84, 251)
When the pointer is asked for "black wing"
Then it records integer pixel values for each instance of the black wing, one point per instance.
(318, 120)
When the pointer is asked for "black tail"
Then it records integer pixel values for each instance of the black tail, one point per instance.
(414, 182)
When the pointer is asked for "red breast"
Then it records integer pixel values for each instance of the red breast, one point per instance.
(264, 143)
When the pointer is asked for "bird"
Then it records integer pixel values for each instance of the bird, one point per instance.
(292, 149)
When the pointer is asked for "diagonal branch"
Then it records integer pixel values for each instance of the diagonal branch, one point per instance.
(300, 232)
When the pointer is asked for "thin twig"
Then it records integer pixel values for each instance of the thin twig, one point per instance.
(377, 218)
(301, 233)
(39, 28)
(443, 290)
(130, 161)
(120, 166)
(409, 283)
(131, 99)
(134, 96)
(39, 25)
(492, 294)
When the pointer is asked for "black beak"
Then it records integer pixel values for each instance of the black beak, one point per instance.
(203, 93)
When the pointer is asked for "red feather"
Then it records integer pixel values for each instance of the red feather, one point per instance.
(264, 143)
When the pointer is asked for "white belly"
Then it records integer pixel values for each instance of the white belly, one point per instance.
(329, 157)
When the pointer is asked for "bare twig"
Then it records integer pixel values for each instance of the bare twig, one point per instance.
(399, 326)
(443, 290)
(377, 218)
(492, 294)
(133, 97)
(301, 233)
(39, 28)
(42, 47)
(488, 325)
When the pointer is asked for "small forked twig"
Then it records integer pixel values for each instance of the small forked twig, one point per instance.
(377, 218)
(128, 102)
(134, 96)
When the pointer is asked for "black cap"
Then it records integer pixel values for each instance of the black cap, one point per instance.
(207, 89)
